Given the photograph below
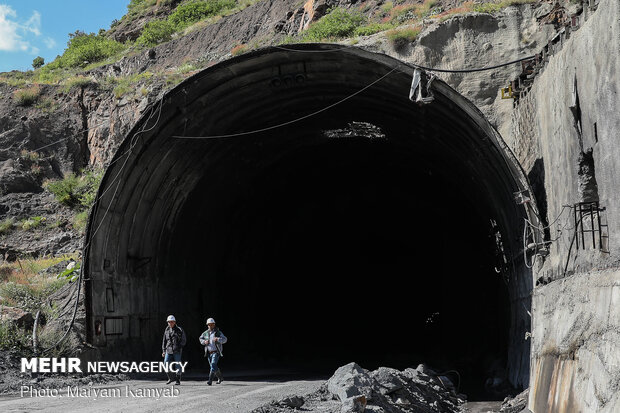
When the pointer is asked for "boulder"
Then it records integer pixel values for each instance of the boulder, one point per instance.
(291, 401)
(12, 179)
(349, 381)
(389, 379)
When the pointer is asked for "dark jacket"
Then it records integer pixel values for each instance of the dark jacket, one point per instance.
(174, 340)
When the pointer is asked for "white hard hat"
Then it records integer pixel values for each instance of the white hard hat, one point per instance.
(171, 318)
(210, 320)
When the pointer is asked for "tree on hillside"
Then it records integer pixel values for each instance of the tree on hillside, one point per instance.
(38, 62)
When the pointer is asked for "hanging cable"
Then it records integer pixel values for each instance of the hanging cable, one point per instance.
(268, 128)
(81, 274)
(430, 69)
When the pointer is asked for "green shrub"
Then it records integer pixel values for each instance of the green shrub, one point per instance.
(125, 84)
(137, 6)
(400, 38)
(387, 7)
(488, 7)
(52, 73)
(337, 24)
(186, 68)
(28, 96)
(372, 28)
(187, 14)
(156, 32)
(37, 62)
(6, 225)
(32, 223)
(83, 49)
(80, 221)
(90, 184)
(14, 338)
(66, 190)
(76, 191)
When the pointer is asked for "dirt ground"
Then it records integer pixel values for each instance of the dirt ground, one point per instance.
(193, 396)
(232, 396)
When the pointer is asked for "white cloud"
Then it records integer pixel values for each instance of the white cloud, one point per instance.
(12, 32)
(34, 23)
(49, 42)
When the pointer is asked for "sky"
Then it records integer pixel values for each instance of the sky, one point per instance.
(31, 28)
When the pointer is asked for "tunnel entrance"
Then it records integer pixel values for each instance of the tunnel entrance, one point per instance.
(362, 233)
(345, 250)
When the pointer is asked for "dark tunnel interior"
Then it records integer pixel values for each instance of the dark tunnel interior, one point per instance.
(345, 249)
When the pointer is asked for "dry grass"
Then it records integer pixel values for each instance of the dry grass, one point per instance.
(400, 38)
(27, 96)
(27, 270)
(239, 49)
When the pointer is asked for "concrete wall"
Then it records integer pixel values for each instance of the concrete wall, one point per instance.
(575, 365)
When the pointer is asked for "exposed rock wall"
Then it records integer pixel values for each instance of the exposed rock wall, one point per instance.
(473, 41)
(566, 136)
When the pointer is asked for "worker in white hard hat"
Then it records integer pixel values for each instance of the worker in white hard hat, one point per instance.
(172, 347)
(213, 340)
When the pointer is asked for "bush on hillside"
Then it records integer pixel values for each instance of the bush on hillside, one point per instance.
(83, 49)
(187, 14)
(337, 24)
(156, 32)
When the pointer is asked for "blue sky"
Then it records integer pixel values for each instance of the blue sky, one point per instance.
(31, 28)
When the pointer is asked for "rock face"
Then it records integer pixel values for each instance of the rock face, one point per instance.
(566, 138)
(84, 126)
(477, 40)
(354, 389)
(55, 236)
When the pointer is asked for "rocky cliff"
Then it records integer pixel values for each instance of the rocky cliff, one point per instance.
(78, 125)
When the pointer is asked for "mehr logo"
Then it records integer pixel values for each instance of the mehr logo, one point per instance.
(73, 365)
(51, 365)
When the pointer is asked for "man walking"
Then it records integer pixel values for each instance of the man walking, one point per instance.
(172, 347)
(213, 340)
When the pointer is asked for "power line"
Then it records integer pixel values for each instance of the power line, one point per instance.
(77, 134)
(481, 69)
(80, 277)
(430, 69)
(232, 135)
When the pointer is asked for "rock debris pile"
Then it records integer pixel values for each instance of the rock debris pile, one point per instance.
(385, 390)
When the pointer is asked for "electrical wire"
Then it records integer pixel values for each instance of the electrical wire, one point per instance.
(525, 237)
(450, 371)
(268, 128)
(430, 69)
(81, 274)
(76, 134)
(480, 69)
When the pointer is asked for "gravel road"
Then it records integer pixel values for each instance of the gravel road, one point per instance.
(232, 396)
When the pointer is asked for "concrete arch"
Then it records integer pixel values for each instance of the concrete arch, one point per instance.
(157, 184)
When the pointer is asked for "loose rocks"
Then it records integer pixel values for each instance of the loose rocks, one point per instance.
(353, 389)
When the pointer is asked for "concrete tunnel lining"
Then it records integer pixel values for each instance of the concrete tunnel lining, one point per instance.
(145, 191)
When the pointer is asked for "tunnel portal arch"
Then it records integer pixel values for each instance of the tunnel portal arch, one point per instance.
(178, 219)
